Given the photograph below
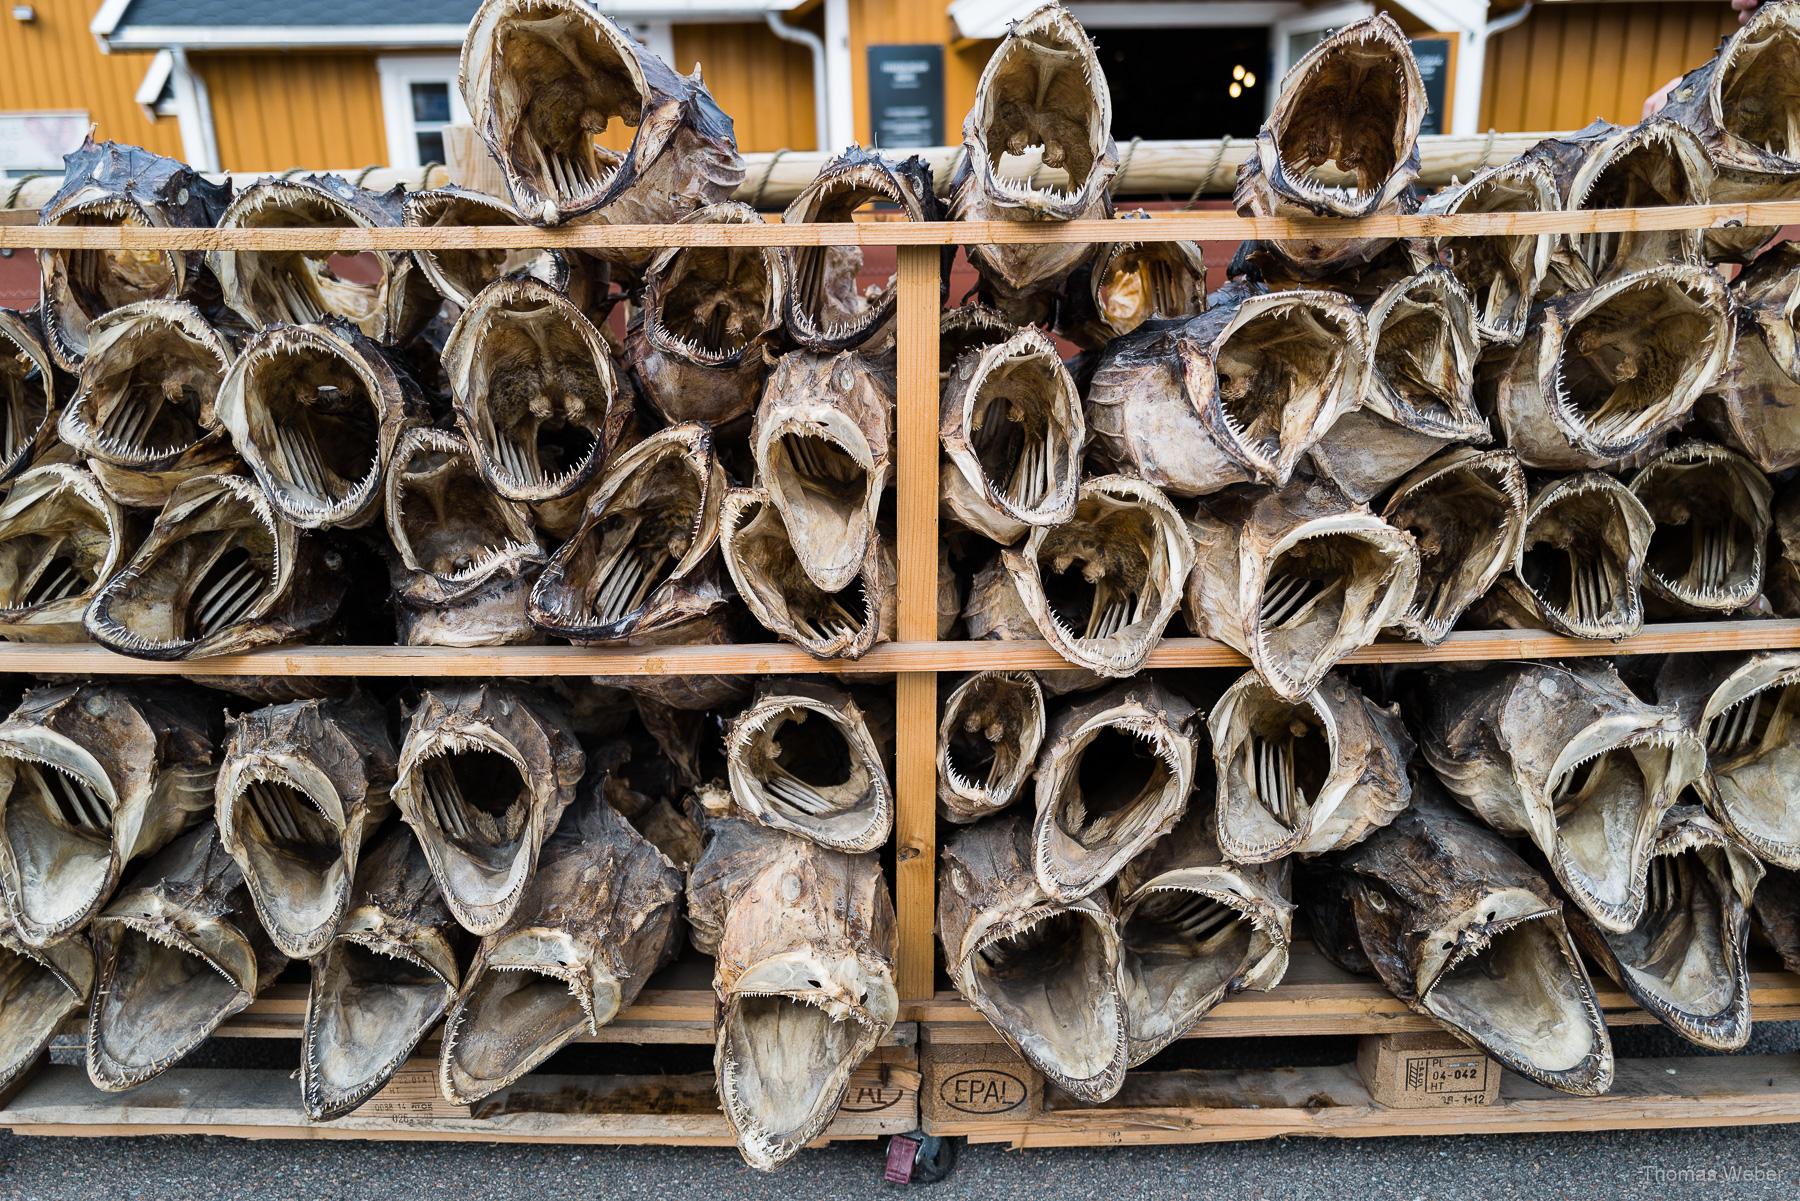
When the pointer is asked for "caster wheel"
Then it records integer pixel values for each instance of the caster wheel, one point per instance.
(919, 1159)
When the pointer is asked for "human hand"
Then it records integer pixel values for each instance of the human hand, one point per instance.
(1655, 104)
(1745, 9)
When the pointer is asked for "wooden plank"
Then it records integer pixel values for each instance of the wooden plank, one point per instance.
(915, 692)
(765, 658)
(1168, 227)
(883, 1099)
(1331, 1102)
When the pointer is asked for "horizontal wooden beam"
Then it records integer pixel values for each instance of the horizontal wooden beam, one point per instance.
(779, 658)
(1170, 227)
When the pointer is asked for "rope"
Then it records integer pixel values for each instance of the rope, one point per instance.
(425, 176)
(1487, 152)
(1125, 162)
(1218, 158)
(364, 174)
(12, 197)
(762, 185)
(956, 162)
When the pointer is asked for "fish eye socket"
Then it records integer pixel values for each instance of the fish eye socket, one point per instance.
(1377, 902)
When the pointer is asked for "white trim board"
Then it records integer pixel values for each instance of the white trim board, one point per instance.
(398, 72)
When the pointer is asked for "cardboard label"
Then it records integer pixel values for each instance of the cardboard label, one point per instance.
(412, 1094)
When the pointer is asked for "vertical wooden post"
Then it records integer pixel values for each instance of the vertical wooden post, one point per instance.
(915, 692)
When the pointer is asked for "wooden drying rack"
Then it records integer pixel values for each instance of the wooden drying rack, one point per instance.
(916, 656)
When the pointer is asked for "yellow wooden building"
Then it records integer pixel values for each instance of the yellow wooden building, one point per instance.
(253, 85)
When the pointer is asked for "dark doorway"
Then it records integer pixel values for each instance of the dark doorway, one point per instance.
(1178, 82)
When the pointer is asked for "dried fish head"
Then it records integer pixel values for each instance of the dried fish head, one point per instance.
(824, 308)
(1501, 272)
(1603, 374)
(1114, 776)
(220, 571)
(1046, 976)
(598, 918)
(463, 559)
(543, 78)
(177, 952)
(1580, 569)
(780, 593)
(301, 787)
(61, 538)
(1102, 587)
(1711, 509)
(40, 989)
(460, 273)
(95, 776)
(27, 392)
(1341, 141)
(1686, 960)
(297, 287)
(535, 390)
(1753, 403)
(383, 981)
(802, 938)
(1304, 776)
(109, 185)
(1124, 284)
(1566, 755)
(806, 758)
(315, 410)
(1465, 510)
(1195, 929)
(988, 742)
(484, 776)
(642, 559)
(1297, 579)
(1013, 433)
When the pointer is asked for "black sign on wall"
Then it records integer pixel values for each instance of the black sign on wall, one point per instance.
(1436, 55)
(906, 95)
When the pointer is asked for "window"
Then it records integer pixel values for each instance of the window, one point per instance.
(1294, 36)
(34, 143)
(419, 99)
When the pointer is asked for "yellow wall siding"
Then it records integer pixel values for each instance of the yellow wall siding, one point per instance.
(763, 82)
(276, 111)
(1570, 63)
(54, 63)
(881, 22)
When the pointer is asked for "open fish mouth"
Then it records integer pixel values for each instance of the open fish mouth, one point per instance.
(1269, 374)
(710, 306)
(1508, 975)
(1115, 775)
(383, 981)
(1618, 366)
(300, 787)
(1685, 961)
(296, 287)
(1102, 586)
(822, 442)
(315, 411)
(650, 526)
(1501, 273)
(148, 386)
(759, 553)
(805, 758)
(1194, 929)
(1014, 432)
(1608, 792)
(27, 393)
(1650, 165)
(61, 537)
(988, 742)
(94, 776)
(544, 78)
(1042, 100)
(1129, 283)
(966, 328)
(217, 572)
(177, 953)
(1581, 562)
(1753, 98)
(1747, 409)
(1748, 722)
(459, 274)
(1465, 510)
(483, 778)
(518, 1007)
(1342, 139)
(1712, 513)
(534, 388)
(39, 990)
(1326, 588)
(1307, 775)
(825, 308)
(81, 286)
(464, 554)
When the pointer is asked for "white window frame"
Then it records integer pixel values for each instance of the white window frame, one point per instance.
(1317, 20)
(398, 72)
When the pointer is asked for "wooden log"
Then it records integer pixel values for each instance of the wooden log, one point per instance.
(1165, 227)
